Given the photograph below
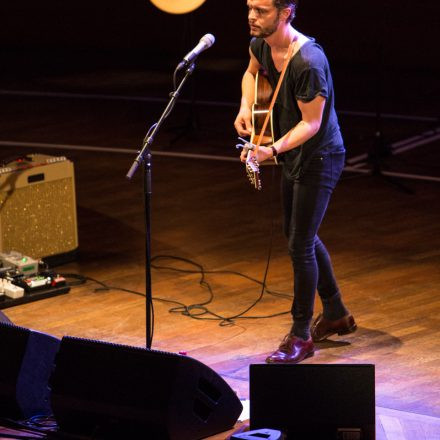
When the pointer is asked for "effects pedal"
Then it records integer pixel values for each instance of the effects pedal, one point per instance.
(45, 280)
(21, 263)
(10, 290)
(269, 434)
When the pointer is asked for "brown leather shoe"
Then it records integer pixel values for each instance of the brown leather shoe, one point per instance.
(292, 350)
(323, 328)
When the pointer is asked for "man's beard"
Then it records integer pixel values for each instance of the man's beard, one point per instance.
(266, 31)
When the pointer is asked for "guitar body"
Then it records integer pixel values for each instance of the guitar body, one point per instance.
(260, 110)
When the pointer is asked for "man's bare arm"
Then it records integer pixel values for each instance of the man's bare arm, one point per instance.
(243, 121)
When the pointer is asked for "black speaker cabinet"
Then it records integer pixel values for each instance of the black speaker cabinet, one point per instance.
(4, 318)
(115, 391)
(27, 359)
(319, 402)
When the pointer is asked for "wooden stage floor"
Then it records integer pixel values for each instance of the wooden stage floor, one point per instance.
(385, 246)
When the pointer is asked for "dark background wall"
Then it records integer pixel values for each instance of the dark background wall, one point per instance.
(396, 39)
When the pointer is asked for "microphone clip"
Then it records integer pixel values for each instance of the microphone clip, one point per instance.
(189, 66)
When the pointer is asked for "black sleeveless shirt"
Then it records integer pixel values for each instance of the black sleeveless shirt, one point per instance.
(307, 76)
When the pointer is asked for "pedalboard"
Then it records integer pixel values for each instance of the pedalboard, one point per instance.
(21, 279)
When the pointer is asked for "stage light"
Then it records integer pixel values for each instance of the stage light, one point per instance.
(177, 6)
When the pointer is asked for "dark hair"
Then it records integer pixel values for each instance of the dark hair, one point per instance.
(282, 4)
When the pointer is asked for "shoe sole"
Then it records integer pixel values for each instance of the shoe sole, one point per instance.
(309, 355)
(351, 329)
(284, 363)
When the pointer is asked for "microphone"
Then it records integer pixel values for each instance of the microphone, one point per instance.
(205, 43)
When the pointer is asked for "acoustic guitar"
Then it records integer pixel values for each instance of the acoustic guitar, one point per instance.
(260, 109)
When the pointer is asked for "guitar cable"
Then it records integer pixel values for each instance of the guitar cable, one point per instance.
(200, 311)
(197, 311)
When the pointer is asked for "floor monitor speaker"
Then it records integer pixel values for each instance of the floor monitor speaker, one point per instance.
(314, 401)
(27, 360)
(114, 391)
(4, 318)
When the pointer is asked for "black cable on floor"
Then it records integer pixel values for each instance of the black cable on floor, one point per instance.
(199, 311)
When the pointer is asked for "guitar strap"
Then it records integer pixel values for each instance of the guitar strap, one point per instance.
(275, 94)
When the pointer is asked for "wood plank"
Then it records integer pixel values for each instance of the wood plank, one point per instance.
(384, 246)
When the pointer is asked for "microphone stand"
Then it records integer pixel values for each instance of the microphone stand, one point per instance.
(145, 158)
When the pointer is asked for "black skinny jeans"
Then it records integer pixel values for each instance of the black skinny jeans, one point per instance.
(305, 200)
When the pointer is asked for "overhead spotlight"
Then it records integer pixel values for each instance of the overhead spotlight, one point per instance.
(177, 6)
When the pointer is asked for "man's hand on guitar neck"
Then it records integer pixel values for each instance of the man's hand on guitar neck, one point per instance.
(263, 153)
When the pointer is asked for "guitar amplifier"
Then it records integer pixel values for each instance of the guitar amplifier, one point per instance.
(38, 208)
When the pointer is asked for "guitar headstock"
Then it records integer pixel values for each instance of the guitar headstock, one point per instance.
(253, 171)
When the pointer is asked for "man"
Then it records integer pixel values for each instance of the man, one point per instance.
(310, 147)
